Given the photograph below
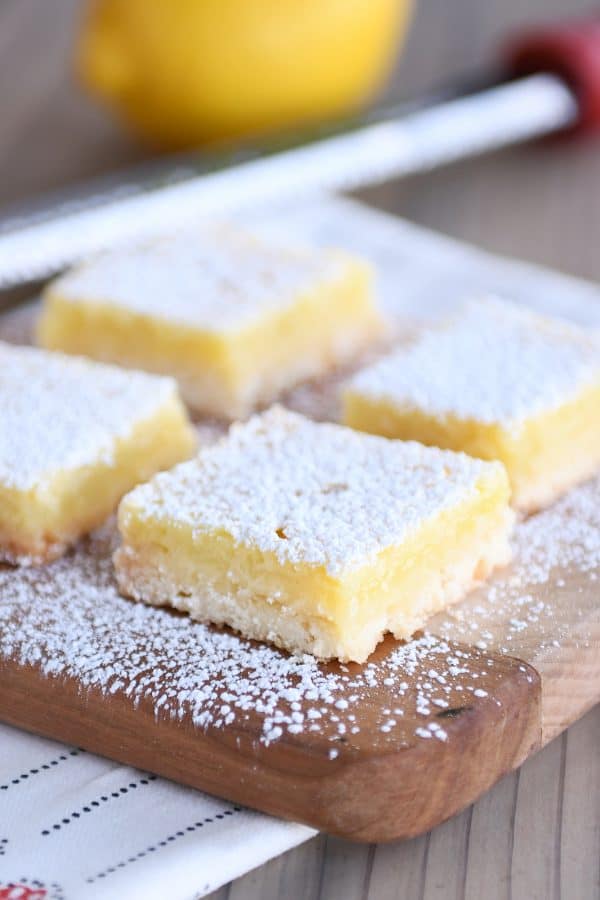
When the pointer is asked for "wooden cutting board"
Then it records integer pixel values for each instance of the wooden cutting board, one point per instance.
(374, 752)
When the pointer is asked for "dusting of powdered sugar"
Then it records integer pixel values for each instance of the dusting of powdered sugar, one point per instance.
(61, 412)
(314, 493)
(216, 278)
(552, 585)
(495, 362)
(69, 620)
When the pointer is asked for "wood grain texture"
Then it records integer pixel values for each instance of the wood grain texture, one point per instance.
(488, 851)
(541, 204)
(379, 787)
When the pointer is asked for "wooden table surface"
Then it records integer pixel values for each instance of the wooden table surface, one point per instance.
(536, 835)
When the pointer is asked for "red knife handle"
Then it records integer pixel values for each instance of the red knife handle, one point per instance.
(571, 50)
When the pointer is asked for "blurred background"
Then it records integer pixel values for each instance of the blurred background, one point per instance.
(53, 131)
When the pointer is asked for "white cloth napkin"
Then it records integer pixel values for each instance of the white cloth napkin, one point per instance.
(77, 827)
(74, 826)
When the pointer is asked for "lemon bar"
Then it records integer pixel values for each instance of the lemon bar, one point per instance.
(312, 536)
(74, 437)
(497, 382)
(236, 319)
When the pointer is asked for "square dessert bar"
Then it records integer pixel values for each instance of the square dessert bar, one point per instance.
(75, 436)
(498, 382)
(234, 318)
(312, 536)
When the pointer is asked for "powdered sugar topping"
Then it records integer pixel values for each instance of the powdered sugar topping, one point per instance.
(60, 412)
(215, 278)
(311, 492)
(495, 363)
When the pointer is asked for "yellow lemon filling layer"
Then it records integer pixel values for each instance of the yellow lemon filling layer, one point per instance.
(298, 606)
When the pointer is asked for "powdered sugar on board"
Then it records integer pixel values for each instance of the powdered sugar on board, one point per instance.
(68, 619)
(552, 584)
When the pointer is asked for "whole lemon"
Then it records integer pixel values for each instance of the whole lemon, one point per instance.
(185, 72)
